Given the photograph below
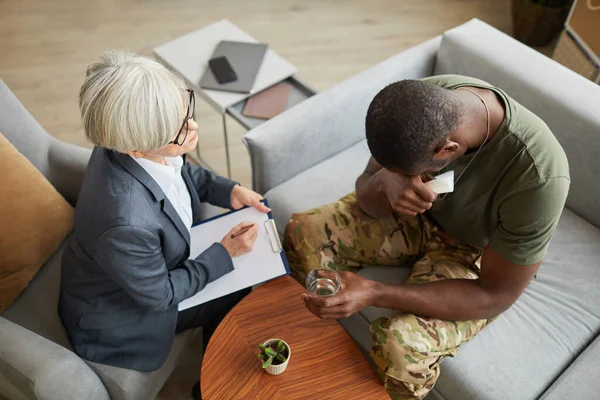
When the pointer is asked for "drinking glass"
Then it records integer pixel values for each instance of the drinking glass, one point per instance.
(323, 282)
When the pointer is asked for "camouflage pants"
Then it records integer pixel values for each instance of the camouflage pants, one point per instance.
(408, 349)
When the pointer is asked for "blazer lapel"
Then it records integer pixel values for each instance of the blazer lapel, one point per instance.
(168, 209)
(145, 179)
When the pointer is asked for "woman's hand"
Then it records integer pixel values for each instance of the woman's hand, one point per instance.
(241, 196)
(240, 239)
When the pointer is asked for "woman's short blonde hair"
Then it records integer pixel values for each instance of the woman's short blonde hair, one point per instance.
(129, 102)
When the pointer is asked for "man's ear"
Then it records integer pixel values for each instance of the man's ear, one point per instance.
(446, 150)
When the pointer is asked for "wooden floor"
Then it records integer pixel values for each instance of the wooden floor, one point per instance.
(45, 46)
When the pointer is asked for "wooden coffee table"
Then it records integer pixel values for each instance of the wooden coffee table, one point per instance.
(325, 362)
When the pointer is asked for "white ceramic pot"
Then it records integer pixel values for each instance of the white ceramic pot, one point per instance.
(278, 369)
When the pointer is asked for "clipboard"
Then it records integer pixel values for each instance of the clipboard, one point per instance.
(266, 261)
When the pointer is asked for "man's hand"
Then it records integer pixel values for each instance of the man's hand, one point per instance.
(407, 194)
(357, 293)
(379, 192)
(241, 196)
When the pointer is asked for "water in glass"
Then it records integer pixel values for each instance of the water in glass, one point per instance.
(323, 287)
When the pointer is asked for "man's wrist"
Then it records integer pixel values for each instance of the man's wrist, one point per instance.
(381, 181)
(375, 292)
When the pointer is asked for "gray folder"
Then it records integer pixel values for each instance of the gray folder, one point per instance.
(245, 59)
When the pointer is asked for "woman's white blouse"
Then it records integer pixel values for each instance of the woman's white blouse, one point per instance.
(171, 182)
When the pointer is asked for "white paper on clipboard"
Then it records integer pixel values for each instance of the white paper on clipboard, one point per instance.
(266, 260)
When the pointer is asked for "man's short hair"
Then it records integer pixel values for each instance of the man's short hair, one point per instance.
(130, 102)
(407, 120)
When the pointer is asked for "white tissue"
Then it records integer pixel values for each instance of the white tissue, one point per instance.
(443, 183)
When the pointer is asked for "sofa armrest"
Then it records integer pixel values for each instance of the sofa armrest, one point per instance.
(581, 380)
(32, 367)
(329, 122)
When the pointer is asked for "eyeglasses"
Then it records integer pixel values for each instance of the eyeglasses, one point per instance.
(183, 131)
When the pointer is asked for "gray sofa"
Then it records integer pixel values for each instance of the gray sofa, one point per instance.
(547, 344)
(36, 360)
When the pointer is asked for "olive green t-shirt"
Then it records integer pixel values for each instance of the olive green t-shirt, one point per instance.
(513, 192)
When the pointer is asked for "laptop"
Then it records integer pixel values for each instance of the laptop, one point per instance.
(245, 59)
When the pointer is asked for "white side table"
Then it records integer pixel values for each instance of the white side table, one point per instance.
(189, 55)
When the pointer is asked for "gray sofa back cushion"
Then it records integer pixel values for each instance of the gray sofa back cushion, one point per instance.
(61, 163)
(567, 102)
(22, 130)
(287, 145)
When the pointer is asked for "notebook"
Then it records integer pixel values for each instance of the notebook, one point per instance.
(245, 60)
(266, 260)
(268, 103)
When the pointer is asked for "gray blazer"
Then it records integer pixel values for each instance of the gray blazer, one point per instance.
(126, 265)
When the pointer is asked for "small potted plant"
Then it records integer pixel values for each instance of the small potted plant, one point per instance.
(274, 355)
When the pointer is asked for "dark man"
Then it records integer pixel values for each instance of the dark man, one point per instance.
(476, 249)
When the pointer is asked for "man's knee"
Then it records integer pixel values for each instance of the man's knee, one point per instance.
(407, 356)
(293, 229)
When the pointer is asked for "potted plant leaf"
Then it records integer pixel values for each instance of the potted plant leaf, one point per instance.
(274, 355)
(537, 22)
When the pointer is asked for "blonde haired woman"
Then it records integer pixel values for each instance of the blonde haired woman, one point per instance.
(126, 266)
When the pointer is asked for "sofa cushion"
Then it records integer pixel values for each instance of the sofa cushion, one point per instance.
(323, 183)
(526, 349)
(35, 219)
(36, 309)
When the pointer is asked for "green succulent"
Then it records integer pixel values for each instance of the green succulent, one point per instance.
(268, 354)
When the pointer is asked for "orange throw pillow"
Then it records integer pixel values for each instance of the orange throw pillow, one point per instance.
(34, 220)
